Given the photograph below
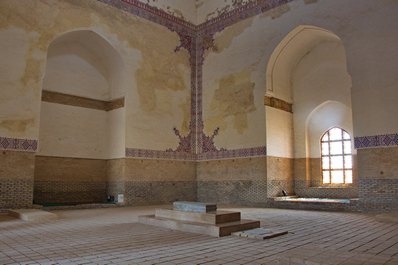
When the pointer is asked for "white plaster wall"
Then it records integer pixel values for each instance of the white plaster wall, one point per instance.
(116, 125)
(68, 131)
(320, 75)
(372, 59)
(83, 63)
(326, 116)
(234, 55)
(279, 132)
(370, 56)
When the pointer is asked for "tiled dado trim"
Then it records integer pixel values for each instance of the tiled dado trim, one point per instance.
(65, 99)
(383, 140)
(15, 144)
(211, 155)
(234, 153)
(158, 154)
(278, 104)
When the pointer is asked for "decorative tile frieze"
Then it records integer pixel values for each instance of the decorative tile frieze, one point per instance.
(151, 13)
(156, 154)
(383, 140)
(18, 144)
(196, 39)
(243, 152)
(240, 12)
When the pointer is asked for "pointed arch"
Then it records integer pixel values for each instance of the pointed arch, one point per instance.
(288, 53)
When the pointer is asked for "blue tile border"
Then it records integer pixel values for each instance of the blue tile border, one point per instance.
(383, 140)
(15, 144)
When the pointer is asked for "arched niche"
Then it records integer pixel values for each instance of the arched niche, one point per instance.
(325, 116)
(83, 63)
(308, 69)
(287, 55)
(82, 119)
(84, 66)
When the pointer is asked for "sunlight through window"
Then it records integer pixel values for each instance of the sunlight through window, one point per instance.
(336, 157)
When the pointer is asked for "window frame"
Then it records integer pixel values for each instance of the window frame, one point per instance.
(343, 154)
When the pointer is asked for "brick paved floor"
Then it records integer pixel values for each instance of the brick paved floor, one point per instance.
(113, 236)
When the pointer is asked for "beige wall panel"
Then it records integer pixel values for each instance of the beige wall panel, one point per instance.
(116, 169)
(279, 132)
(68, 131)
(254, 168)
(156, 83)
(61, 169)
(16, 165)
(159, 170)
(378, 163)
(116, 123)
(16, 179)
(279, 168)
(19, 98)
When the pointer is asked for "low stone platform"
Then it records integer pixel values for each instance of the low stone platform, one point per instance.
(218, 230)
(216, 217)
(321, 204)
(213, 223)
(32, 215)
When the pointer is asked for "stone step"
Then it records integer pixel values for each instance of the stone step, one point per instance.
(216, 217)
(32, 215)
(200, 207)
(217, 230)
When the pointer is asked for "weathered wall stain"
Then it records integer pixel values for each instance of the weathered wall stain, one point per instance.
(310, 1)
(17, 125)
(185, 107)
(160, 68)
(224, 39)
(277, 11)
(234, 99)
(158, 74)
(227, 7)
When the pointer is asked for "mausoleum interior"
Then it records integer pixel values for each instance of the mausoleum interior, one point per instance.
(223, 101)
(288, 104)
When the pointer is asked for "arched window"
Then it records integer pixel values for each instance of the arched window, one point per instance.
(336, 157)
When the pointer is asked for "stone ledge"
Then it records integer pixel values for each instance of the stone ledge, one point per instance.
(32, 215)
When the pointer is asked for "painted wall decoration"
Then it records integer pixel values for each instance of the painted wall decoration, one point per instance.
(197, 40)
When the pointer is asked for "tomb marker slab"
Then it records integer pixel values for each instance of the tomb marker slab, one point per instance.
(198, 207)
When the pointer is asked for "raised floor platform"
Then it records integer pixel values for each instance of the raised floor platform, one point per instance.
(327, 204)
(196, 217)
(32, 215)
